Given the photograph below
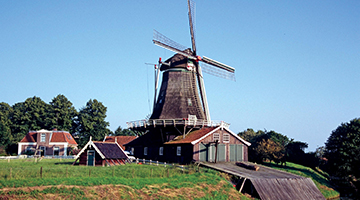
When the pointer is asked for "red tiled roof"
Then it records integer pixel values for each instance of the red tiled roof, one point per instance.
(121, 140)
(30, 137)
(59, 136)
(192, 136)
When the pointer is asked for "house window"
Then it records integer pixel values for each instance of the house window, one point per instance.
(132, 151)
(216, 137)
(178, 151)
(56, 151)
(28, 150)
(42, 139)
(161, 151)
(145, 151)
(226, 138)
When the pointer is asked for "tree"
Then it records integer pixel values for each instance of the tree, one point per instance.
(62, 113)
(343, 150)
(6, 138)
(296, 152)
(124, 132)
(29, 115)
(91, 122)
(250, 135)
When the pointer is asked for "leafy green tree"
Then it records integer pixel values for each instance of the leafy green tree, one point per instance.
(296, 152)
(62, 113)
(91, 122)
(343, 150)
(29, 115)
(6, 138)
(124, 132)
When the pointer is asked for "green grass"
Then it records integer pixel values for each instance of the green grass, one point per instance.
(319, 177)
(146, 180)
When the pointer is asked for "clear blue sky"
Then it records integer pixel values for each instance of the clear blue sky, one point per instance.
(297, 62)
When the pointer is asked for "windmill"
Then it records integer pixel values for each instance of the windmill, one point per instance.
(178, 96)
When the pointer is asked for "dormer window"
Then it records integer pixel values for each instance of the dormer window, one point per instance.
(42, 138)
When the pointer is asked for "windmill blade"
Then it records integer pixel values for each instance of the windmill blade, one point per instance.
(165, 42)
(218, 64)
(191, 13)
(211, 69)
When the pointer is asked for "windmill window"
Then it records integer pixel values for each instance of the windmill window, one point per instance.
(189, 102)
(42, 139)
(216, 137)
(226, 138)
(145, 151)
(161, 151)
(178, 151)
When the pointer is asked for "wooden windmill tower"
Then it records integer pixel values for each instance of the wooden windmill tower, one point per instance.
(182, 79)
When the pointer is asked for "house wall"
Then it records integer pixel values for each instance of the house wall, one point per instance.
(170, 153)
(98, 160)
(210, 139)
(22, 147)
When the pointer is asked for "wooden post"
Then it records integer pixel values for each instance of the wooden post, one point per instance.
(216, 149)
(242, 185)
(41, 172)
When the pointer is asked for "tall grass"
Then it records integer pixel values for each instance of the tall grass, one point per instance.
(27, 172)
(54, 168)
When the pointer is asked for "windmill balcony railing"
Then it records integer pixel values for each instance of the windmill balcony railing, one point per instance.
(174, 122)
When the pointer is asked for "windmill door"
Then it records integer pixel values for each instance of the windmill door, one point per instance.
(236, 152)
(90, 157)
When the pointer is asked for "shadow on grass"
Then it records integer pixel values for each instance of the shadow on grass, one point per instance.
(64, 163)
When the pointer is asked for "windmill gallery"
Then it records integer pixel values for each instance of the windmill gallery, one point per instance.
(180, 128)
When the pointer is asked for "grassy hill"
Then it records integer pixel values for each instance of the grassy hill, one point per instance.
(54, 178)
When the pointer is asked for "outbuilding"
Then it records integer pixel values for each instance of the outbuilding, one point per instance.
(97, 153)
(208, 144)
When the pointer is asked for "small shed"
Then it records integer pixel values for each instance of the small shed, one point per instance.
(97, 153)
